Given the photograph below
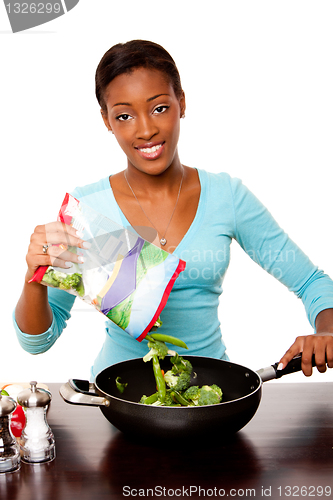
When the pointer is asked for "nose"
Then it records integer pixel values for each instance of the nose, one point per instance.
(146, 128)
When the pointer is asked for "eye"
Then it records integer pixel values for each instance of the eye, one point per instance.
(124, 117)
(160, 109)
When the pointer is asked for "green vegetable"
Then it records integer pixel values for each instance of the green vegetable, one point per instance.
(218, 390)
(178, 397)
(179, 364)
(149, 400)
(206, 395)
(64, 281)
(158, 323)
(156, 349)
(169, 339)
(177, 382)
(4, 393)
(121, 386)
(170, 399)
(173, 389)
(160, 382)
(192, 394)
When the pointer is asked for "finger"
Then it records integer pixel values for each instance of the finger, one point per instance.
(293, 350)
(55, 256)
(56, 227)
(64, 264)
(308, 351)
(320, 353)
(38, 260)
(56, 238)
(60, 251)
(329, 355)
(327, 339)
(63, 238)
(62, 254)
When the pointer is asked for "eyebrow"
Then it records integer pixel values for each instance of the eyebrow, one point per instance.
(129, 104)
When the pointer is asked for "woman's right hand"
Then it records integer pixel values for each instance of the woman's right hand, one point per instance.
(58, 236)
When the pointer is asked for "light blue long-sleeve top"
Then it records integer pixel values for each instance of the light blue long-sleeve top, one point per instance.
(227, 210)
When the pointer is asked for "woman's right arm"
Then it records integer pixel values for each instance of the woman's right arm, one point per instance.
(33, 313)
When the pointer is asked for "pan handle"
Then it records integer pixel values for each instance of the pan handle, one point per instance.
(271, 372)
(81, 392)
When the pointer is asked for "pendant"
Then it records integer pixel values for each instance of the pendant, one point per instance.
(163, 241)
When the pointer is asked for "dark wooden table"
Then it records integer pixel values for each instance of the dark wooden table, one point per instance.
(285, 451)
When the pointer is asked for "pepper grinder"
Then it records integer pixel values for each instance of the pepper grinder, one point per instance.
(37, 440)
(9, 449)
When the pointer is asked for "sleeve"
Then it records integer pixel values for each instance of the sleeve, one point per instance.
(61, 303)
(269, 246)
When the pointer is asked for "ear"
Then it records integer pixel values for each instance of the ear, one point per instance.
(182, 104)
(106, 120)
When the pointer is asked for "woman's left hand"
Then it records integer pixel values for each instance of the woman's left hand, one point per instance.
(319, 344)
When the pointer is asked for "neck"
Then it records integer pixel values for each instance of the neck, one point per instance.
(144, 182)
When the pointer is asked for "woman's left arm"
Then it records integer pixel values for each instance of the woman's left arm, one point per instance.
(267, 244)
(320, 344)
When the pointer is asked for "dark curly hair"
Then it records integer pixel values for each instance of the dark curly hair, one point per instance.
(125, 57)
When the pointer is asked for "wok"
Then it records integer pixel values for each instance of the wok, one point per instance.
(242, 389)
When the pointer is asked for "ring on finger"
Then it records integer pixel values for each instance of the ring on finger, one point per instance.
(45, 248)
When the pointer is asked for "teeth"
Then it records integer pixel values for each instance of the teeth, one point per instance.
(151, 150)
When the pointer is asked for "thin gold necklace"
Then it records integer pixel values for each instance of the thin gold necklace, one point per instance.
(163, 240)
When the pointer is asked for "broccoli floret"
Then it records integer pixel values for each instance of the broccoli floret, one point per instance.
(170, 378)
(156, 347)
(64, 281)
(218, 390)
(208, 396)
(192, 394)
(177, 382)
(180, 364)
(52, 278)
(205, 395)
(73, 281)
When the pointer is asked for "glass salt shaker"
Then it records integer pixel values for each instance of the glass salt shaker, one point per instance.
(9, 448)
(37, 441)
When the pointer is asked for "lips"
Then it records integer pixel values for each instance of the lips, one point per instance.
(150, 151)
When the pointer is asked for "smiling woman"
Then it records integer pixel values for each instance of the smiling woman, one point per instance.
(190, 212)
(146, 125)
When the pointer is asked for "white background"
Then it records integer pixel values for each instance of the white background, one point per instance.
(258, 79)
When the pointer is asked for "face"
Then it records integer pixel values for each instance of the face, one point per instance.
(144, 114)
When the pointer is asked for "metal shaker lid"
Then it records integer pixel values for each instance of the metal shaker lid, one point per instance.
(7, 405)
(34, 397)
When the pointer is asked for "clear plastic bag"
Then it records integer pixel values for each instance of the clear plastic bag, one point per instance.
(123, 276)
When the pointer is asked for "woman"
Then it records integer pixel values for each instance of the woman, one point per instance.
(191, 212)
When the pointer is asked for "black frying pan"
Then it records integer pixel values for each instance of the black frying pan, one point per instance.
(241, 397)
